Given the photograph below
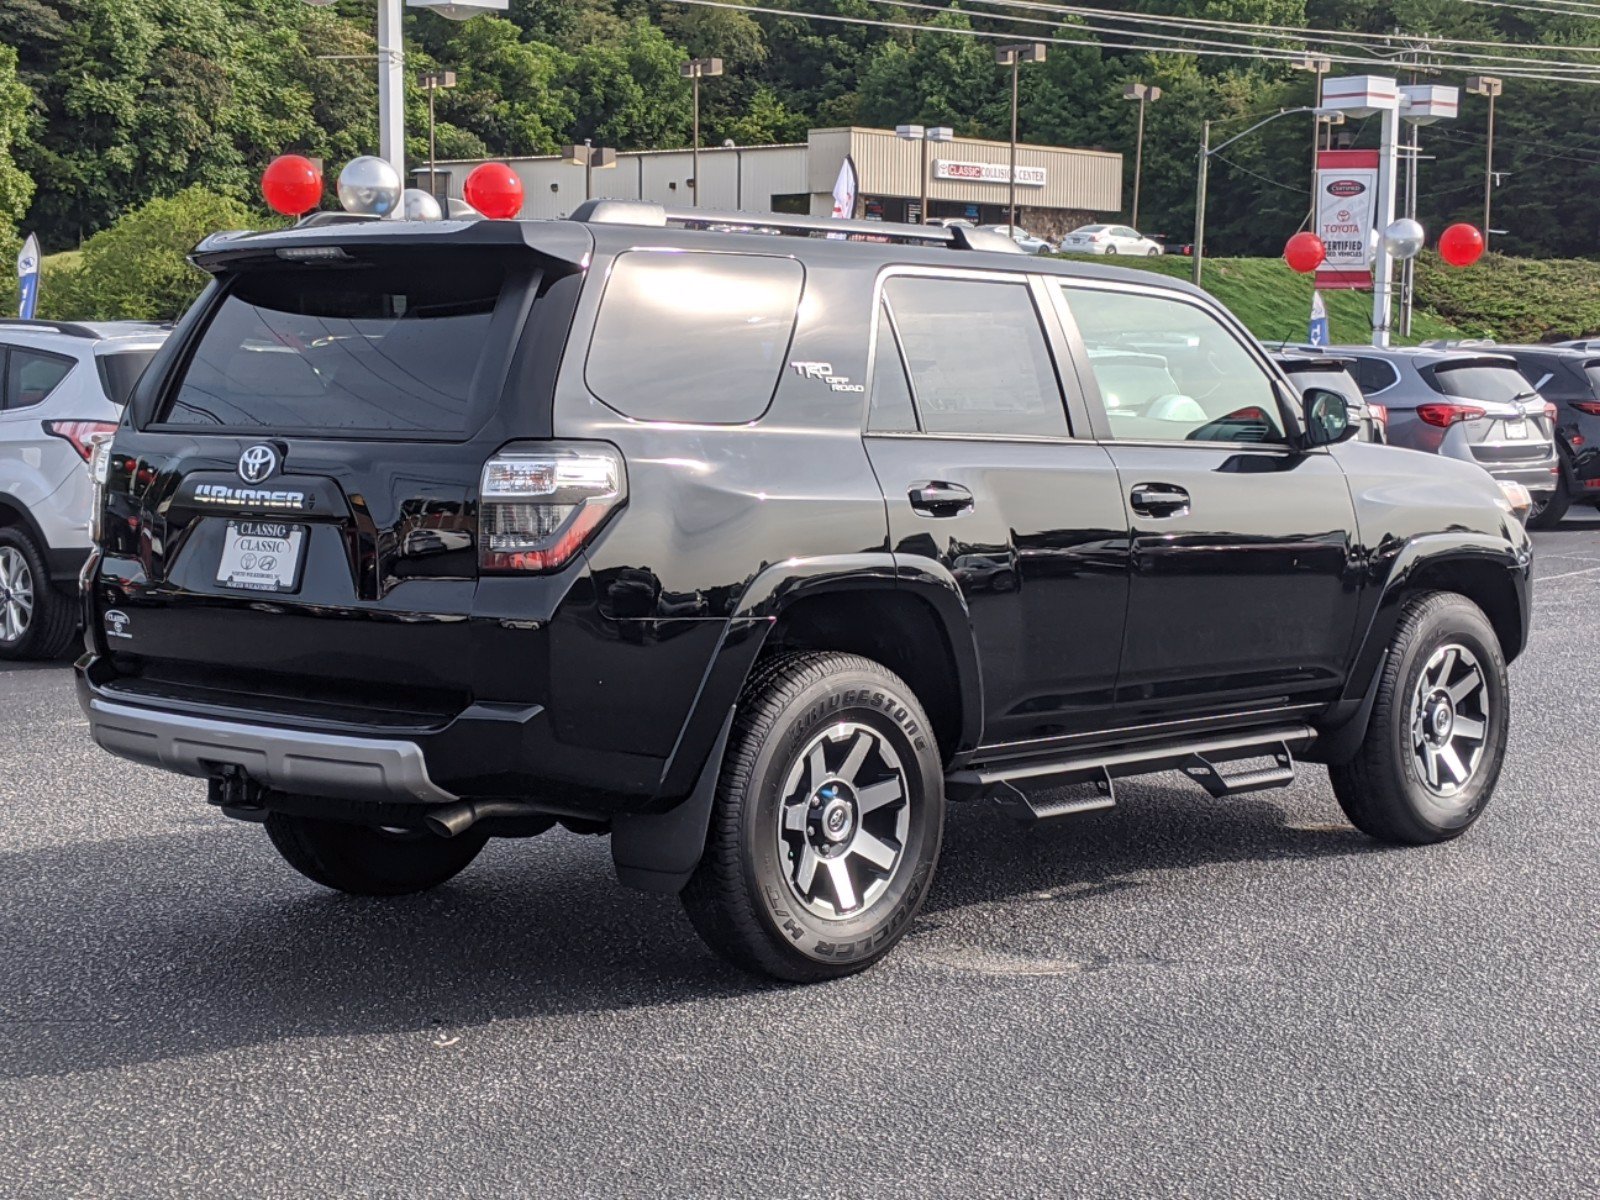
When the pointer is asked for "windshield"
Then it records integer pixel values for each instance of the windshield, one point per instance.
(120, 370)
(371, 348)
(1482, 381)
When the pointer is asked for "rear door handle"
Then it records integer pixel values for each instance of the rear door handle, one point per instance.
(935, 498)
(1159, 500)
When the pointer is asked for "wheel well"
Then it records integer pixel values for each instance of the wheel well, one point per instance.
(902, 632)
(1486, 584)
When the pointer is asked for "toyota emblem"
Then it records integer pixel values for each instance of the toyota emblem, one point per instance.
(258, 463)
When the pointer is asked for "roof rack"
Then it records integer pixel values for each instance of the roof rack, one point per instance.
(643, 212)
(70, 328)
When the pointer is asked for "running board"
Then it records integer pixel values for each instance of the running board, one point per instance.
(1011, 784)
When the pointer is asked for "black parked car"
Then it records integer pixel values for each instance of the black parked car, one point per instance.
(1569, 379)
(776, 543)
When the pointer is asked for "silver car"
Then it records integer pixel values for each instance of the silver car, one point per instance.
(1109, 239)
(1465, 403)
(1028, 243)
(64, 385)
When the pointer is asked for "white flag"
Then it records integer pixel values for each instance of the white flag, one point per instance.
(1317, 333)
(844, 193)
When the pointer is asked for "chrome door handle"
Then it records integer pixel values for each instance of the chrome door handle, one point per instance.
(935, 498)
(1159, 500)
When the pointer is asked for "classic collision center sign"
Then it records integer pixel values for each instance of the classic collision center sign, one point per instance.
(1347, 185)
(982, 172)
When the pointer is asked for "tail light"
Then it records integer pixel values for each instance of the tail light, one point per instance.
(1380, 413)
(1550, 412)
(1587, 407)
(80, 434)
(99, 473)
(538, 507)
(1446, 415)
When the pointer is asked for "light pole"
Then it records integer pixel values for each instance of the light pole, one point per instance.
(1144, 93)
(697, 69)
(1490, 87)
(591, 158)
(738, 172)
(391, 65)
(1318, 66)
(1014, 56)
(918, 133)
(431, 82)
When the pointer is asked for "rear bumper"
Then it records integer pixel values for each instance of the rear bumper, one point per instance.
(1537, 478)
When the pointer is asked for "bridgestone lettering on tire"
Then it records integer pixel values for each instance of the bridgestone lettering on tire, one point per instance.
(1433, 749)
(828, 820)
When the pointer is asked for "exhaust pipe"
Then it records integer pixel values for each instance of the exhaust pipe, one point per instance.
(452, 820)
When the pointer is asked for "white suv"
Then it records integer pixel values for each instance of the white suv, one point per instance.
(61, 385)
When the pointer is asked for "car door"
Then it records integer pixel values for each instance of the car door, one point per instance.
(1244, 577)
(972, 443)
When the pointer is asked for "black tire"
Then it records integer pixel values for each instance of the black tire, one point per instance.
(366, 861)
(1152, 252)
(745, 898)
(1551, 512)
(51, 616)
(1385, 789)
(1111, 250)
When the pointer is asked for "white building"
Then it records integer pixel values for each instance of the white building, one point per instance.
(1057, 188)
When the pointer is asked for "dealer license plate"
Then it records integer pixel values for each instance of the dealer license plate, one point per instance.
(1517, 430)
(262, 556)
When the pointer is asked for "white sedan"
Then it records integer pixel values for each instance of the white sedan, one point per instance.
(1108, 239)
(1028, 243)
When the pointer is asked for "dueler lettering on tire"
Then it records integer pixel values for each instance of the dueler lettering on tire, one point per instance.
(829, 817)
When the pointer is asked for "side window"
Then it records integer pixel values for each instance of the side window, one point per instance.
(1169, 371)
(693, 336)
(890, 410)
(1373, 375)
(31, 375)
(977, 356)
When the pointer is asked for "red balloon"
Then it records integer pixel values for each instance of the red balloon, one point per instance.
(1461, 245)
(494, 190)
(292, 184)
(1304, 252)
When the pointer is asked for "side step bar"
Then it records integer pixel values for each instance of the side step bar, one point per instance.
(1203, 760)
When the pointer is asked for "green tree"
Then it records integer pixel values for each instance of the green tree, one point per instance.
(628, 93)
(16, 103)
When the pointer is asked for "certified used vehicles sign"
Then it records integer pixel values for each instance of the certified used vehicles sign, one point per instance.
(262, 556)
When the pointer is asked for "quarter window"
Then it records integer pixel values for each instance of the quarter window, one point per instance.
(1374, 375)
(31, 375)
(1169, 371)
(891, 408)
(977, 357)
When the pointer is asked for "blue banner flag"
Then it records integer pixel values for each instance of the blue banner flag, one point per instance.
(1317, 335)
(28, 277)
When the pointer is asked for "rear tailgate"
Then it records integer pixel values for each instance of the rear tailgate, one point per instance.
(292, 517)
(1513, 429)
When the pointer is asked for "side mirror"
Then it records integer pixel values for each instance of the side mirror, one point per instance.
(1328, 420)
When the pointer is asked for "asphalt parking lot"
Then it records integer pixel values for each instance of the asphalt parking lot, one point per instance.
(1180, 997)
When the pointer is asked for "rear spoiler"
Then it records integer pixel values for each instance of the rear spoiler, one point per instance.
(561, 241)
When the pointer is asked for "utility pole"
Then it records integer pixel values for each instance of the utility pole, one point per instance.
(1014, 56)
(697, 69)
(1490, 87)
(1319, 66)
(917, 133)
(1198, 249)
(1144, 93)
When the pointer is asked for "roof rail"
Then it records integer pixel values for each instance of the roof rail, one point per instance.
(641, 212)
(70, 328)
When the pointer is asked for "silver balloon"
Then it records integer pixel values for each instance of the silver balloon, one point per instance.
(1403, 239)
(369, 185)
(417, 205)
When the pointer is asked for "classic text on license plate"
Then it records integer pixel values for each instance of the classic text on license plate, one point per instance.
(263, 556)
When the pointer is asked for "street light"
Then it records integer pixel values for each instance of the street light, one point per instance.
(591, 158)
(1014, 56)
(1489, 86)
(917, 133)
(1144, 93)
(698, 69)
(431, 82)
(391, 65)
(1319, 66)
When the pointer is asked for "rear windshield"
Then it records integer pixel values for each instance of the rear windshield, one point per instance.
(1481, 382)
(374, 348)
(1591, 370)
(120, 370)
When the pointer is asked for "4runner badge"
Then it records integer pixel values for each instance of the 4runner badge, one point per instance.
(824, 372)
(117, 623)
(258, 463)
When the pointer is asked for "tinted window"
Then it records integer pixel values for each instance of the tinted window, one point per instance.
(1193, 380)
(120, 370)
(1373, 375)
(693, 337)
(1481, 382)
(370, 348)
(977, 357)
(891, 410)
(31, 375)
(1333, 380)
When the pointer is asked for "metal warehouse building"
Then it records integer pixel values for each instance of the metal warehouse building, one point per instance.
(967, 177)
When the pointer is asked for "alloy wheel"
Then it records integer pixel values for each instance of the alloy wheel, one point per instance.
(16, 594)
(843, 821)
(1449, 719)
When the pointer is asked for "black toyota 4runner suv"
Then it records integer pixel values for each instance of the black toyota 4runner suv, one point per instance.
(751, 541)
